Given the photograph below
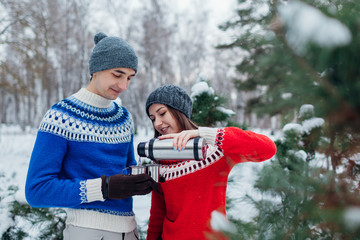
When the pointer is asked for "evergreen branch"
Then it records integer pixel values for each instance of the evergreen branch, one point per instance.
(278, 29)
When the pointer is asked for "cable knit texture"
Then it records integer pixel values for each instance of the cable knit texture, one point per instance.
(193, 190)
(79, 139)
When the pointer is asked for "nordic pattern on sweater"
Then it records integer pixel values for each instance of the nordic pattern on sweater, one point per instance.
(173, 171)
(78, 121)
(76, 143)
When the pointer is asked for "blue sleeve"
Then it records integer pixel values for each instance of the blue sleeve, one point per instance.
(44, 187)
(131, 156)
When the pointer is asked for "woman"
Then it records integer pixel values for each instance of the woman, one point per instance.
(192, 190)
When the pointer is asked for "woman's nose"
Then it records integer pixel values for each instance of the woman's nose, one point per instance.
(157, 123)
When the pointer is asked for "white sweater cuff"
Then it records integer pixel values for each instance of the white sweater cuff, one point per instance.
(93, 187)
(209, 134)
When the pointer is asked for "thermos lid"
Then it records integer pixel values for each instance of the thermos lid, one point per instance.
(141, 149)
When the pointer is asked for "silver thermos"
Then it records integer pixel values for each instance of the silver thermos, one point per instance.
(156, 149)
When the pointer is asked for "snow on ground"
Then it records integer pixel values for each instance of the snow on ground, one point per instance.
(15, 151)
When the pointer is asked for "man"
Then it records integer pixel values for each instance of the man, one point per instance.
(84, 147)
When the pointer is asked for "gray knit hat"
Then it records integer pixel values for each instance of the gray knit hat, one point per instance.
(172, 96)
(111, 52)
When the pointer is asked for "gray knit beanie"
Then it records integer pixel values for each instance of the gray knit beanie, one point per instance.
(111, 52)
(172, 96)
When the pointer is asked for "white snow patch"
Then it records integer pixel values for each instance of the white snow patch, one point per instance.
(293, 126)
(356, 158)
(301, 154)
(352, 217)
(286, 95)
(200, 88)
(307, 24)
(306, 108)
(309, 124)
(219, 222)
(226, 111)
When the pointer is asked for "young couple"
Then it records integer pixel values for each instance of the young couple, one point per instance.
(84, 143)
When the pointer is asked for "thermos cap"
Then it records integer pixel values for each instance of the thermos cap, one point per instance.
(141, 149)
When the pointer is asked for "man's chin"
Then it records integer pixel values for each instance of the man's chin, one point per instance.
(112, 96)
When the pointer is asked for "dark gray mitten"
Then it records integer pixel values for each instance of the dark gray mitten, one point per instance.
(121, 186)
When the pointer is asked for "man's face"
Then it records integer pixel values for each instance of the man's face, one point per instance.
(111, 82)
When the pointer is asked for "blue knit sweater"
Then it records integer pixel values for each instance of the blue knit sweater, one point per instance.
(79, 139)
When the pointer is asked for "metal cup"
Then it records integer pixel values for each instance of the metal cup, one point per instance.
(135, 170)
(153, 171)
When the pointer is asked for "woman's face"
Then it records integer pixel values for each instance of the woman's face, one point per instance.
(162, 119)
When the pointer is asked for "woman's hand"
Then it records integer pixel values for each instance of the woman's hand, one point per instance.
(180, 139)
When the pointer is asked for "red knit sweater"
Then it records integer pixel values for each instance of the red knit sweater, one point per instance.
(193, 190)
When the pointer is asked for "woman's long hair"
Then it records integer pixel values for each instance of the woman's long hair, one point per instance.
(184, 122)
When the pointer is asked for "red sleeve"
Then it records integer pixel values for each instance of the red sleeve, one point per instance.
(157, 215)
(244, 146)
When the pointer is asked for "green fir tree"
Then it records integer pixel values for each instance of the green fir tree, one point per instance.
(49, 221)
(208, 107)
(288, 66)
(300, 198)
(311, 189)
(45, 223)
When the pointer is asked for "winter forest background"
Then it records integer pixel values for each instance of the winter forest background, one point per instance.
(288, 69)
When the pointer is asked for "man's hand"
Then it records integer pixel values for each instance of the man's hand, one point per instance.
(124, 186)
